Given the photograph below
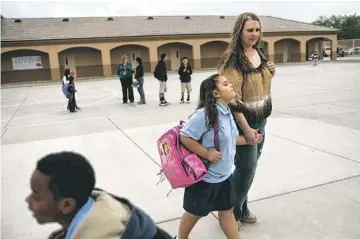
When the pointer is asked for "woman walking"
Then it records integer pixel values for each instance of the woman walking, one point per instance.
(246, 67)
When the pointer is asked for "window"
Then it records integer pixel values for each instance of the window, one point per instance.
(65, 19)
(150, 18)
(222, 17)
(110, 19)
(66, 61)
(133, 55)
(187, 17)
(17, 20)
(177, 54)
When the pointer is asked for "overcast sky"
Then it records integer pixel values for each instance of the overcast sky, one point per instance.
(306, 11)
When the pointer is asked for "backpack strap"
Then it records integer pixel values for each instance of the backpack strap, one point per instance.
(216, 135)
(262, 54)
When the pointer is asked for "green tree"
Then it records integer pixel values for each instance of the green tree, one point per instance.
(349, 25)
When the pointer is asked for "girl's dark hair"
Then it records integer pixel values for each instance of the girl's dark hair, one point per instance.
(208, 101)
(234, 55)
(139, 60)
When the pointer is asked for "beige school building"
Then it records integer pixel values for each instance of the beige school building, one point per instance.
(39, 49)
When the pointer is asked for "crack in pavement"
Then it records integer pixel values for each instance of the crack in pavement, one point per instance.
(321, 150)
(17, 110)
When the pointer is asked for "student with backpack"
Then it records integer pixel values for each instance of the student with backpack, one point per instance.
(160, 73)
(185, 73)
(215, 192)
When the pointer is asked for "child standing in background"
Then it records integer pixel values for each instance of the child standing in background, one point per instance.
(185, 73)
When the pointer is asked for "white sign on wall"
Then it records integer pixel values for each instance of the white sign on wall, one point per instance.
(27, 63)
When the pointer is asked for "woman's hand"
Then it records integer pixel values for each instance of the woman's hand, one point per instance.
(271, 66)
(251, 135)
(258, 140)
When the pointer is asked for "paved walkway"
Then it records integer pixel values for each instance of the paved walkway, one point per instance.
(306, 186)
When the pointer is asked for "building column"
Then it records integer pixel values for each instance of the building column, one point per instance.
(321, 55)
(334, 45)
(303, 51)
(54, 65)
(106, 62)
(153, 57)
(271, 50)
(197, 56)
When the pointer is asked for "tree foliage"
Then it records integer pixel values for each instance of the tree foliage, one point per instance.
(349, 26)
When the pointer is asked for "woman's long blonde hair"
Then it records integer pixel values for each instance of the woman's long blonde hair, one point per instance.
(123, 58)
(234, 56)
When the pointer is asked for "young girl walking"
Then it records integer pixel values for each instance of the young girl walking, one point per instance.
(216, 191)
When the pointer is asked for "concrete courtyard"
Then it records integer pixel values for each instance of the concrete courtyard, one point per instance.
(308, 180)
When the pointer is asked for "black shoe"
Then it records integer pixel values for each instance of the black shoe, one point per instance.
(188, 99)
(182, 100)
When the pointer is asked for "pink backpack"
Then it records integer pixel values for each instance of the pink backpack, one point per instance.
(181, 167)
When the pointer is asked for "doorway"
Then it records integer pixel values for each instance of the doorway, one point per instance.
(69, 62)
(175, 58)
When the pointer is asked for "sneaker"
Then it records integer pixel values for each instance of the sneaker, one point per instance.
(162, 103)
(251, 218)
(182, 101)
(188, 99)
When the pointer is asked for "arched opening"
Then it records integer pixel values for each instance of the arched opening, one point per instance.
(175, 51)
(320, 45)
(211, 53)
(131, 51)
(287, 50)
(25, 66)
(85, 61)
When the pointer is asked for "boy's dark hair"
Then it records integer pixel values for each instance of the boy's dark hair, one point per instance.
(163, 56)
(139, 60)
(71, 175)
(184, 58)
